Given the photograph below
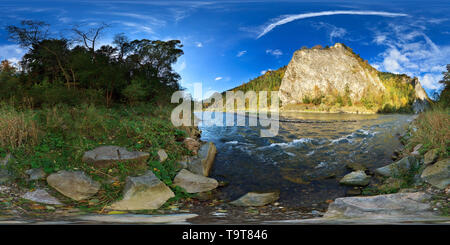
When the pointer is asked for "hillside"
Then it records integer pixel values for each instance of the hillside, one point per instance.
(335, 79)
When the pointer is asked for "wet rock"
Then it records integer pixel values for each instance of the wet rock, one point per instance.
(143, 192)
(6, 160)
(41, 196)
(104, 156)
(5, 176)
(405, 164)
(192, 145)
(194, 183)
(356, 178)
(256, 199)
(353, 192)
(438, 174)
(162, 155)
(204, 161)
(355, 166)
(36, 174)
(399, 204)
(431, 156)
(74, 184)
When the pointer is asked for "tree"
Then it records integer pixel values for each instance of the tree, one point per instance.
(89, 37)
(31, 32)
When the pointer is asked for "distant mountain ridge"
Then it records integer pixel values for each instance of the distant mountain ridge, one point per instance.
(334, 79)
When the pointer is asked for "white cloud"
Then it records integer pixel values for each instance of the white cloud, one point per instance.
(277, 53)
(333, 31)
(139, 27)
(199, 44)
(218, 78)
(180, 66)
(241, 53)
(289, 18)
(11, 52)
(410, 51)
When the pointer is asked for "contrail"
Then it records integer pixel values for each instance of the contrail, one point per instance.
(289, 18)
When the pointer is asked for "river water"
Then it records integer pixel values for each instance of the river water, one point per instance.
(305, 161)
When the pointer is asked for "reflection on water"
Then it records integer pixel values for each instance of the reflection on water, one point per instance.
(305, 160)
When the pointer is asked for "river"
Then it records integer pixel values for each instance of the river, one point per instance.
(305, 161)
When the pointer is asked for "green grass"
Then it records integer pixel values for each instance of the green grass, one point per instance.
(61, 134)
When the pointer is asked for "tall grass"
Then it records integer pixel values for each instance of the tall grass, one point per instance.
(433, 130)
(17, 128)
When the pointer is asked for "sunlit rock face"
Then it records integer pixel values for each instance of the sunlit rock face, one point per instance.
(334, 71)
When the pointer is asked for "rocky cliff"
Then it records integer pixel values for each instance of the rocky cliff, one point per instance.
(337, 77)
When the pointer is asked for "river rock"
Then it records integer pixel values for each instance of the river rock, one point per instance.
(356, 178)
(104, 156)
(162, 155)
(74, 184)
(192, 145)
(194, 183)
(399, 204)
(355, 166)
(203, 163)
(41, 196)
(253, 199)
(36, 173)
(405, 164)
(431, 156)
(438, 174)
(6, 160)
(143, 192)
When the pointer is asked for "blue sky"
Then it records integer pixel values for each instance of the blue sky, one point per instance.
(227, 43)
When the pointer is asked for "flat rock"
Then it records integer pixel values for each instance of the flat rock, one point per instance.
(41, 196)
(194, 183)
(104, 156)
(203, 163)
(438, 174)
(399, 204)
(143, 192)
(36, 173)
(137, 218)
(162, 155)
(356, 178)
(431, 156)
(74, 184)
(256, 199)
(405, 164)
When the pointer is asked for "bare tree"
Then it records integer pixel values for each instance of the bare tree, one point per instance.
(89, 37)
(31, 32)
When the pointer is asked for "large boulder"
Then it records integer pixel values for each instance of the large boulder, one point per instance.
(143, 192)
(253, 199)
(396, 168)
(438, 174)
(105, 156)
(74, 184)
(399, 204)
(356, 178)
(194, 183)
(41, 196)
(203, 163)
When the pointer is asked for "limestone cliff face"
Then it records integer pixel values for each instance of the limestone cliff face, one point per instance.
(337, 71)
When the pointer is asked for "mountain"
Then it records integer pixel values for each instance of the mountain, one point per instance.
(335, 79)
